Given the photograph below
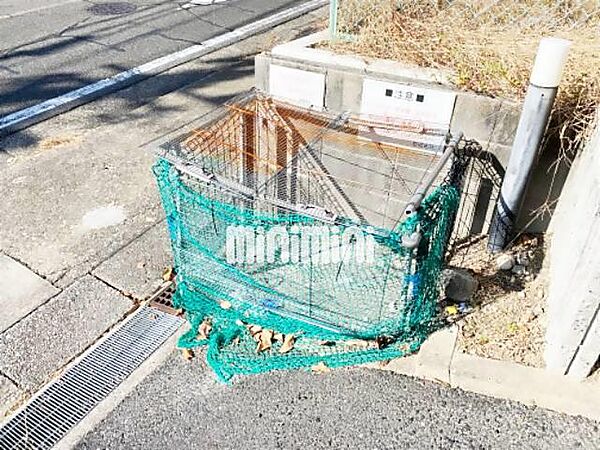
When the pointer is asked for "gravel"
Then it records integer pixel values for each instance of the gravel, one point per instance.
(505, 262)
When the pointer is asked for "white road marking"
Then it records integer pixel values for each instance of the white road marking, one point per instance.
(54, 106)
(193, 3)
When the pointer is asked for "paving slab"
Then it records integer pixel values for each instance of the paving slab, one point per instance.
(78, 201)
(137, 268)
(79, 187)
(52, 335)
(181, 405)
(9, 395)
(21, 291)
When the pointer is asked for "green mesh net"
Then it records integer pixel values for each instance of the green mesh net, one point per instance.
(288, 220)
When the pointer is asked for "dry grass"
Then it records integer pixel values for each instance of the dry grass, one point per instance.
(508, 320)
(488, 45)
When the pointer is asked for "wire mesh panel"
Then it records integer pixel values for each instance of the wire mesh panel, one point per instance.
(292, 220)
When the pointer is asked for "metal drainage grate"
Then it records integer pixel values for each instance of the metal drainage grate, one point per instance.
(163, 298)
(60, 405)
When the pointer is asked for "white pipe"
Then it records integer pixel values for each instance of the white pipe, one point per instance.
(550, 62)
(543, 85)
(333, 14)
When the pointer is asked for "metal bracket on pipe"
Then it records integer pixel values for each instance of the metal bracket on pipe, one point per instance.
(415, 201)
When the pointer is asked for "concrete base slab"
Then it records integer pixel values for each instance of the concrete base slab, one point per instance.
(404, 366)
(54, 222)
(9, 395)
(137, 268)
(21, 291)
(52, 335)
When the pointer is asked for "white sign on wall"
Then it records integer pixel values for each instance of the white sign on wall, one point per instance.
(300, 87)
(417, 108)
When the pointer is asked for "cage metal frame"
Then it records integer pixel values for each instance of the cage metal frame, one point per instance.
(248, 189)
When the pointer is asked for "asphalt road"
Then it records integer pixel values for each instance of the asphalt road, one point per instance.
(49, 47)
(180, 405)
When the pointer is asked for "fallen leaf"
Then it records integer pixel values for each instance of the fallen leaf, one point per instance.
(225, 304)
(320, 368)
(288, 343)
(168, 274)
(204, 329)
(254, 329)
(187, 354)
(56, 141)
(264, 340)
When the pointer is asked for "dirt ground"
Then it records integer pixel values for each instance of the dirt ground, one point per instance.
(506, 319)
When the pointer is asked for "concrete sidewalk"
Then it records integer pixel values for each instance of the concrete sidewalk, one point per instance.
(82, 233)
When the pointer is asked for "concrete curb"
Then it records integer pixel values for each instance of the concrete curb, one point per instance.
(57, 105)
(492, 122)
(439, 360)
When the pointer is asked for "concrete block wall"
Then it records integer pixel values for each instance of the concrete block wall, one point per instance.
(490, 121)
(573, 334)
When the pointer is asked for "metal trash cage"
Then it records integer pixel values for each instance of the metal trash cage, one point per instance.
(309, 221)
